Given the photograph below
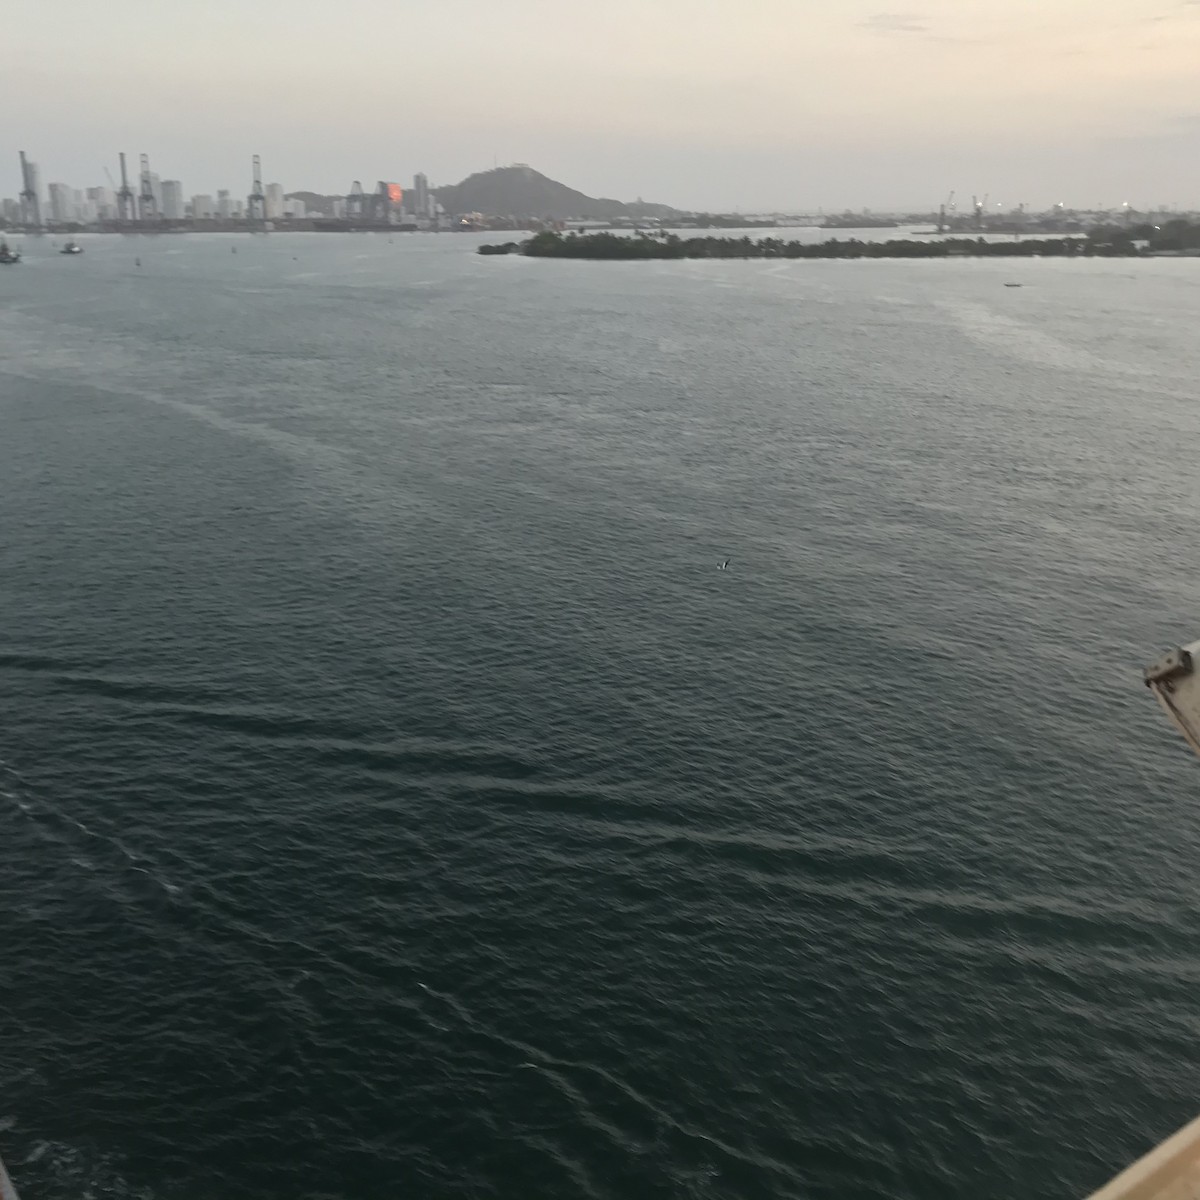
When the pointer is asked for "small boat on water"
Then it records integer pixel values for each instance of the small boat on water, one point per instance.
(72, 248)
(7, 255)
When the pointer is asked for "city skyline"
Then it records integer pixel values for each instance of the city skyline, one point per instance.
(278, 207)
(766, 104)
(144, 196)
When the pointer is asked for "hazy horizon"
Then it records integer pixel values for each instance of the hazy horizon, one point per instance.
(762, 105)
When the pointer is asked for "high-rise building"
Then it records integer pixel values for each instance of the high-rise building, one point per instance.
(31, 196)
(10, 210)
(172, 200)
(156, 191)
(85, 209)
(274, 195)
(105, 201)
(294, 209)
(62, 203)
(203, 208)
(339, 208)
(224, 204)
(421, 195)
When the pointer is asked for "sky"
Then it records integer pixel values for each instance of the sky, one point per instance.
(750, 105)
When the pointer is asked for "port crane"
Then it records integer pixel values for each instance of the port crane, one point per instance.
(256, 202)
(947, 206)
(126, 207)
(376, 206)
(147, 201)
(31, 204)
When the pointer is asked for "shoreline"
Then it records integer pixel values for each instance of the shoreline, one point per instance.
(602, 246)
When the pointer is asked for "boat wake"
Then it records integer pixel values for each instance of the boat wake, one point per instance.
(85, 847)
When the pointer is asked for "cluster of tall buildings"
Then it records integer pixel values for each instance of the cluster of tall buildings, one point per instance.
(62, 204)
(148, 196)
(417, 205)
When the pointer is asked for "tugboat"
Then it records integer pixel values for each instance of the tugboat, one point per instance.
(8, 256)
(72, 248)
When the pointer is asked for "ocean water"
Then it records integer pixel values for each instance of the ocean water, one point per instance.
(396, 800)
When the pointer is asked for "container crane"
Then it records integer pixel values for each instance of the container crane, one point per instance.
(126, 208)
(948, 206)
(147, 201)
(256, 202)
(31, 204)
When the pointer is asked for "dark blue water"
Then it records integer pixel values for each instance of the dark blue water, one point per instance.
(397, 801)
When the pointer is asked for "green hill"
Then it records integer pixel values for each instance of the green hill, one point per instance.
(517, 191)
(520, 191)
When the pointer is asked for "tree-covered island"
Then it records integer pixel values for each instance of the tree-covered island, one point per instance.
(1105, 243)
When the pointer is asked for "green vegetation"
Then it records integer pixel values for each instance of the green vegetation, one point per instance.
(616, 246)
(726, 221)
(1177, 235)
(519, 192)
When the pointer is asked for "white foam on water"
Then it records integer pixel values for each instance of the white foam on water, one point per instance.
(75, 854)
(1002, 333)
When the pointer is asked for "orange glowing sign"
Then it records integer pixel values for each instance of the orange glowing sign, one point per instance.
(395, 193)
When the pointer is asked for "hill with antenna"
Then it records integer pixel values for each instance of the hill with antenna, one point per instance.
(520, 191)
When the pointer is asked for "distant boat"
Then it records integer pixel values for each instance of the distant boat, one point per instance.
(1013, 285)
(72, 248)
(8, 256)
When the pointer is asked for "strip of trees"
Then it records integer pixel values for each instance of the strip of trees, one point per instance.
(668, 245)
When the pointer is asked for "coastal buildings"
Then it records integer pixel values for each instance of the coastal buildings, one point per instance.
(172, 200)
(62, 203)
(85, 209)
(514, 197)
(421, 196)
(144, 199)
(104, 202)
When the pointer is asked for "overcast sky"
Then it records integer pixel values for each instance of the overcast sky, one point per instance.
(725, 104)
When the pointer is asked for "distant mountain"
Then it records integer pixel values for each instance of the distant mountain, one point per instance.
(520, 191)
(517, 191)
(314, 202)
